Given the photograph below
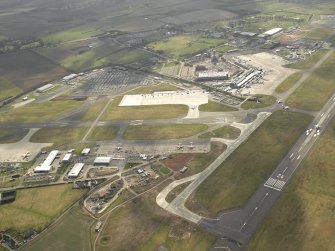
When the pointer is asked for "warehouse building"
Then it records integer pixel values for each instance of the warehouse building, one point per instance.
(67, 158)
(271, 32)
(102, 161)
(45, 88)
(85, 151)
(75, 171)
(47, 164)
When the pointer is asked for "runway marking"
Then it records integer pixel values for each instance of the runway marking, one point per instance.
(298, 157)
(291, 155)
(275, 184)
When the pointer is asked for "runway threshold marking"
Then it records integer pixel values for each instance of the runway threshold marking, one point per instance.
(275, 184)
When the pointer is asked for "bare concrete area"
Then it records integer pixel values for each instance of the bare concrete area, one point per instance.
(275, 73)
(190, 98)
(21, 151)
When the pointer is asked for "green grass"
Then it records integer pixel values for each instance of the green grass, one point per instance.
(310, 61)
(152, 88)
(94, 110)
(226, 132)
(202, 160)
(144, 112)
(212, 106)
(35, 208)
(176, 191)
(155, 132)
(38, 112)
(71, 233)
(128, 56)
(8, 89)
(150, 228)
(59, 136)
(303, 217)
(313, 93)
(131, 165)
(71, 35)
(11, 135)
(316, 33)
(164, 170)
(184, 45)
(232, 184)
(102, 133)
(265, 101)
(289, 82)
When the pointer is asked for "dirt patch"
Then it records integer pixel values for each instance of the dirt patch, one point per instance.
(177, 161)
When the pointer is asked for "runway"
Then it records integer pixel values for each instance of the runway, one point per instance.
(236, 228)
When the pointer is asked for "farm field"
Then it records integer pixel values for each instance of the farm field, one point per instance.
(38, 112)
(30, 210)
(8, 89)
(144, 112)
(212, 106)
(28, 70)
(302, 218)
(71, 233)
(184, 45)
(313, 93)
(151, 228)
(102, 133)
(58, 136)
(226, 132)
(289, 82)
(155, 132)
(238, 177)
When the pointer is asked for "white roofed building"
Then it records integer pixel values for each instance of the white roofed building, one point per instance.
(46, 166)
(67, 157)
(102, 160)
(85, 151)
(75, 171)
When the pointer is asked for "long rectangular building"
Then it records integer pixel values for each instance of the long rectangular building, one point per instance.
(46, 165)
(76, 169)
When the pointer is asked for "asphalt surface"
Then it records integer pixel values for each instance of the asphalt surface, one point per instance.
(236, 228)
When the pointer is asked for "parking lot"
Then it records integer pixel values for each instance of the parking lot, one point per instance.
(112, 81)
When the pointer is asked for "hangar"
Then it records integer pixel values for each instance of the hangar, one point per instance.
(46, 165)
(102, 161)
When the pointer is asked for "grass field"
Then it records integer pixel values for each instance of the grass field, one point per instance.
(176, 191)
(144, 112)
(226, 132)
(152, 88)
(8, 89)
(35, 208)
(303, 217)
(289, 82)
(310, 61)
(11, 135)
(71, 233)
(82, 32)
(313, 93)
(150, 228)
(202, 160)
(238, 177)
(155, 132)
(38, 112)
(102, 133)
(212, 106)
(184, 45)
(128, 56)
(94, 110)
(264, 101)
(316, 33)
(59, 136)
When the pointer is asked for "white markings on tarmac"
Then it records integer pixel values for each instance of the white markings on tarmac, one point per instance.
(275, 184)
(298, 157)
(291, 155)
